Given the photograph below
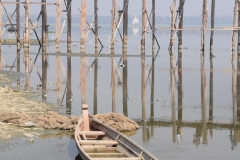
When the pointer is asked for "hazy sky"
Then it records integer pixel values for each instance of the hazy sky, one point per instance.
(192, 7)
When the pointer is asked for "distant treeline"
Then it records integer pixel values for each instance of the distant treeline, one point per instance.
(188, 20)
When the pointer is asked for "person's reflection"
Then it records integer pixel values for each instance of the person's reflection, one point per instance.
(197, 137)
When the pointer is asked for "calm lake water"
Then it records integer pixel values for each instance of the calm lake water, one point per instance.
(189, 112)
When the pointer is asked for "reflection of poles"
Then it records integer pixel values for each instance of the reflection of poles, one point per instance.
(238, 89)
(203, 101)
(125, 84)
(234, 92)
(174, 133)
(180, 96)
(143, 88)
(44, 74)
(113, 82)
(83, 81)
(59, 87)
(69, 85)
(95, 85)
(234, 26)
(152, 94)
(212, 26)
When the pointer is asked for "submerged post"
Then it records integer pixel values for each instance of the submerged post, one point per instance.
(212, 27)
(125, 24)
(153, 22)
(58, 21)
(180, 11)
(26, 33)
(44, 25)
(144, 20)
(235, 26)
(114, 6)
(83, 26)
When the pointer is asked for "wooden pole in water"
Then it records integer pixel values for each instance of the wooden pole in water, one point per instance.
(143, 90)
(235, 26)
(114, 6)
(238, 47)
(0, 36)
(180, 11)
(212, 27)
(153, 22)
(83, 81)
(26, 33)
(58, 23)
(173, 15)
(83, 26)
(69, 85)
(44, 25)
(204, 24)
(125, 24)
(69, 24)
(95, 96)
(211, 91)
(144, 23)
(96, 23)
(18, 27)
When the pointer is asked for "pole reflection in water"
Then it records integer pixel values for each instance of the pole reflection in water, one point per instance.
(59, 84)
(113, 83)
(95, 100)
(44, 74)
(26, 62)
(211, 95)
(180, 95)
(203, 101)
(152, 94)
(143, 90)
(83, 80)
(172, 85)
(125, 83)
(69, 83)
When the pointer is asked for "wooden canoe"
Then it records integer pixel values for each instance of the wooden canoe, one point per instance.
(97, 141)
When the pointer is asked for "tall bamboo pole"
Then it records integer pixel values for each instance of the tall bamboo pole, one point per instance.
(181, 12)
(125, 24)
(125, 84)
(83, 81)
(234, 91)
(69, 85)
(153, 22)
(152, 93)
(173, 15)
(44, 25)
(18, 32)
(95, 96)
(173, 104)
(0, 36)
(96, 23)
(69, 24)
(235, 26)
(58, 23)
(83, 26)
(211, 91)
(114, 6)
(144, 23)
(204, 24)
(238, 46)
(26, 33)
(212, 27)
